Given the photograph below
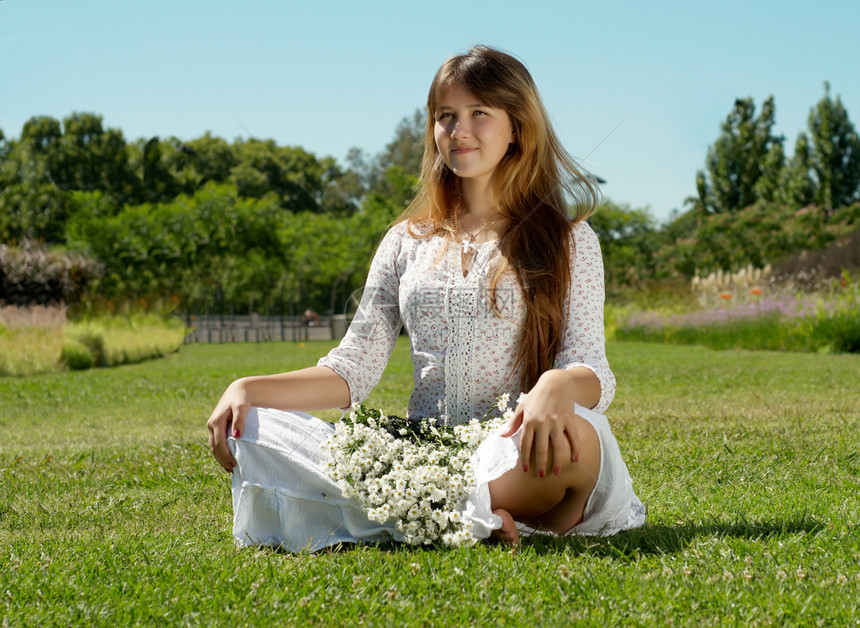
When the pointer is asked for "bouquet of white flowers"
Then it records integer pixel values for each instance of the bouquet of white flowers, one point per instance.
(416, 474)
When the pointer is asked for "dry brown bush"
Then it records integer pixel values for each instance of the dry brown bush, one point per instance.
(815, 266)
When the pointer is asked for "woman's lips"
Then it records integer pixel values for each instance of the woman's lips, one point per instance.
(461, 151)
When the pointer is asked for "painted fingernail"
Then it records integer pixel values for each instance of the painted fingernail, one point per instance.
(556, 471)
(525, 468)
(235, 433)
(576, 458)
(540, 473)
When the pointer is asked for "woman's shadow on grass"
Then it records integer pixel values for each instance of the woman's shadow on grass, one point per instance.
(669, 539)
(628, 545)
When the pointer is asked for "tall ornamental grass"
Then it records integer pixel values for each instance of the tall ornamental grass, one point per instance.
(115, 340)
(38, 339)
(31, 338)
(827, 323)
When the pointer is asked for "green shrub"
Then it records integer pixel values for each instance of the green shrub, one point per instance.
(837, 328)
(839, 333)
(76, 356)
(90, 336)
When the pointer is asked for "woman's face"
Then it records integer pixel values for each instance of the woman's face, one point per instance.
(471, 137)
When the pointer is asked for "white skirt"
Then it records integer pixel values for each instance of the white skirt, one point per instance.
(283, 498)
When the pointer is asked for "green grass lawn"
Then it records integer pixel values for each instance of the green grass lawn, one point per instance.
(112, 511)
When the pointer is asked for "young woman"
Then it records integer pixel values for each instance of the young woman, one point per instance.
(500, 290)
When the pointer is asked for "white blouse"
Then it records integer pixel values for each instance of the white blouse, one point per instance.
(462, 353)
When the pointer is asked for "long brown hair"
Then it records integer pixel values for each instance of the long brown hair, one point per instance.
(534, 185)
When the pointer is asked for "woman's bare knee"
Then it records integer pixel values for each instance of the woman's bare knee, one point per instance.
(554, 502)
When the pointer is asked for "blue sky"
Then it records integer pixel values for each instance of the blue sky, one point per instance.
(330, 75)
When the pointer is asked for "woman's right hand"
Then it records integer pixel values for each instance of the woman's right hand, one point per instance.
(313, 388)
(228, 418)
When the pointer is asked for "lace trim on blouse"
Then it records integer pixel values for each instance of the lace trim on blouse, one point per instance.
(463, 307)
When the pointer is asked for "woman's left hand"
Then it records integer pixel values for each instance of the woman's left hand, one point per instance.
(548, 424)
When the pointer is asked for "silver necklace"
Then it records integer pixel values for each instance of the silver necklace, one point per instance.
(469, 244)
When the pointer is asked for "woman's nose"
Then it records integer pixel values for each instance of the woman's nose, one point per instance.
(460, 130)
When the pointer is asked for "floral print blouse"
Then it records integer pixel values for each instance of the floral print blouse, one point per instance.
(463, 354)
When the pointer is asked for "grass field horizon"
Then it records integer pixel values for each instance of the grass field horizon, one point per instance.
(112, 511)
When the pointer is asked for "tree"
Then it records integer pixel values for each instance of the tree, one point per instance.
(767, 187)
(343, 190)
(626, 239)
(796, 187)
(205, 159)
(154, 162)
(742, 154)
(8, 168)
(836, 158)
(293, 174)
(94, 158)
(407, 147)
(79, 153)
(43, 133)
(393, 173)
(40, 140)
(32, 207)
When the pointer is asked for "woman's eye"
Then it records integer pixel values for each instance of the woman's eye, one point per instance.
(444, 115)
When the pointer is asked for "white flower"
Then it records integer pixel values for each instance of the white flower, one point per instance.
(502, 402)
(418, 487)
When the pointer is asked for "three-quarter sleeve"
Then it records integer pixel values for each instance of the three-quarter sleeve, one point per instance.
(362, 355)
(584, 339)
